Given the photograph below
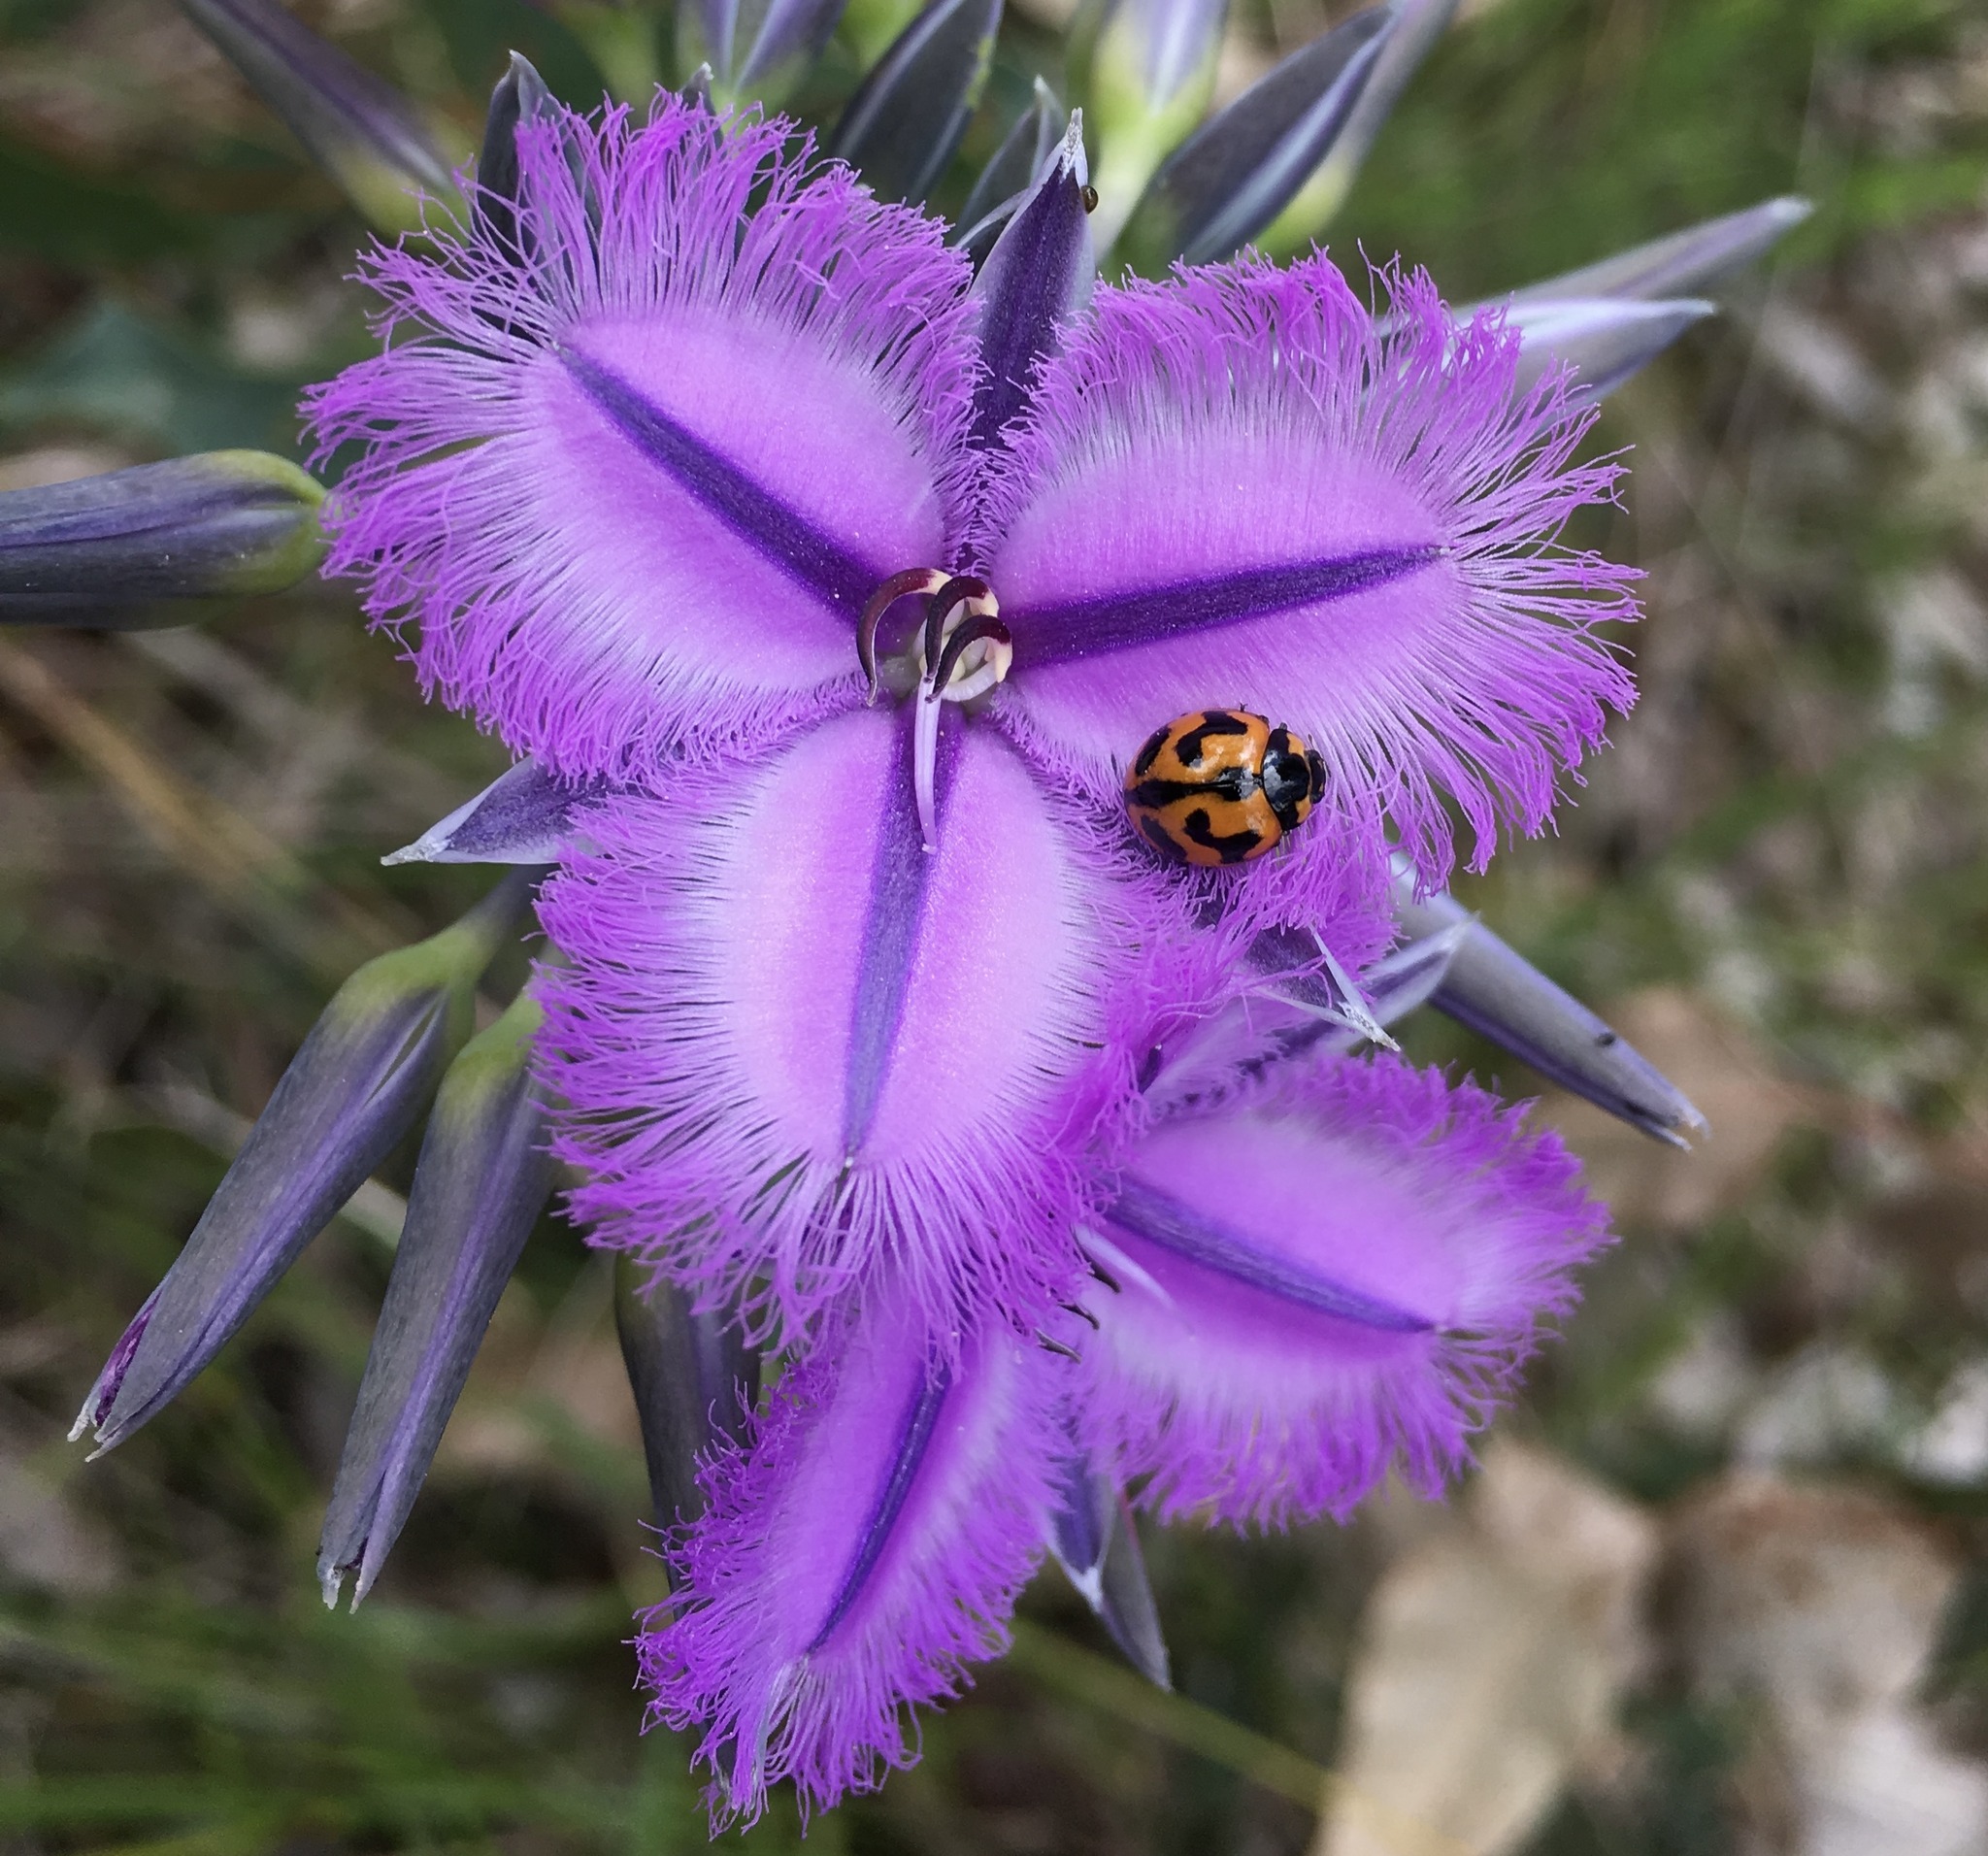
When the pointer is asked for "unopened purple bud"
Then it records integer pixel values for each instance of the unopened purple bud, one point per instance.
(695, 1382)
(1233, 177)
(1685, 264)
(1151, 75)
(1498, 994)
(521, 96)
(1604, 341)
(484, 1176)
(1096, 1545)
(350, 1092)
(521, 818)
(1039, 274)
(105, 550)
(908, 115)
(357, 127)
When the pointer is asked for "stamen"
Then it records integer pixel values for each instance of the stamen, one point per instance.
(913, 579)
(961, 616)
(1056, 1347)
(984, 629)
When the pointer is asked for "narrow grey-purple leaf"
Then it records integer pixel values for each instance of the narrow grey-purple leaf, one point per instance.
(1096, 1545)
(1606, 341)
(1013, 169)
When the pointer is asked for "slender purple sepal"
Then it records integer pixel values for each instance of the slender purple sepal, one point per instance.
(519, 96)
(1038, 277)
(1502, 996)
(634, 469)
(1245, 488)
(1096, 1543)
(695, 1382)
(523, 816)
(865, 1548)
(1331, 1270)
(482, 1178)
(101, 551)
(357, 127)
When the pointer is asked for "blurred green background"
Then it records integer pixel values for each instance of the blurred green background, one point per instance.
(1776, 1397)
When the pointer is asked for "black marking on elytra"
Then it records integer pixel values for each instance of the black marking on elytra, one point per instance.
(1213, 721)
(1155, 834)
(1233, 784)
(1150, 753)
(1232, 846)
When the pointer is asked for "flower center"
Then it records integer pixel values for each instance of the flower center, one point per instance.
(960, 651)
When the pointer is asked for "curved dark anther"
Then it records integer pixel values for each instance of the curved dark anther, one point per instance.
(962, 589)
(973, 632)
(913, 579)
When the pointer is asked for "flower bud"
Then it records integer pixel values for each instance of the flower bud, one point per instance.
(1152, 72)
(357, 127)
(695, 1384)
(484, 1176)
(908, 115)
(758, 50)
(1417, 26)
(1232, 178)
(350, 1094)
(103, 551)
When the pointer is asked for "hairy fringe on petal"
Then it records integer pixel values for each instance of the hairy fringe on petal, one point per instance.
(725, 212)
(730, 1656)
(1203, 1448)
(684, 1169)
(1522, 686)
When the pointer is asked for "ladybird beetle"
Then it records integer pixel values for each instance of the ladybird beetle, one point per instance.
(1221, 787)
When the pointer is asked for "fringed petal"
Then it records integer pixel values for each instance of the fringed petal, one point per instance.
(796, 1045)
(1333, 1272)
(867, 1545)
(635, 468)
(1243, 488)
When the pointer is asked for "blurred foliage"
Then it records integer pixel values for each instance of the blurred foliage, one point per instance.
(1789, 837)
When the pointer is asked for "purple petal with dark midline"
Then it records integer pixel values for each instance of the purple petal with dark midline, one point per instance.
(1243, 488)
(1327, 1273)
(867, 1546)
(636, 486)
(800, 1044)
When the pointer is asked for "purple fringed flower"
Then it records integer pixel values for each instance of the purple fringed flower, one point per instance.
(866, 1546)
(680, 474)
(1331, 1270)
(832, 594)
